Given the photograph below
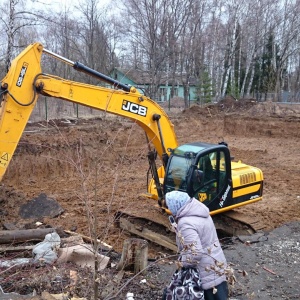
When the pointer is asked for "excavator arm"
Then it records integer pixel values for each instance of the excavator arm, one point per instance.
(25, 81)
(226, 186)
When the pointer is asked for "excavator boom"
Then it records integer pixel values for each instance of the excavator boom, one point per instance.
(25, 80)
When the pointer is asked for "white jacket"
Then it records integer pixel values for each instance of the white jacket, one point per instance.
(198, 243)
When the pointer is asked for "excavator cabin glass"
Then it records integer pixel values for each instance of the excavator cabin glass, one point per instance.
(202, 170)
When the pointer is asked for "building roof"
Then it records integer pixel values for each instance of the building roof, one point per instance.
(141, 77)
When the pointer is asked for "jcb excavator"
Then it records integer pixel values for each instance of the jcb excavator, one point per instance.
(205, 171)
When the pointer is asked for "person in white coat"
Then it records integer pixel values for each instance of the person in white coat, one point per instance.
(198, 243)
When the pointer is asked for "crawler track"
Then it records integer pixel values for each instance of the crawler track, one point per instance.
(158, 230)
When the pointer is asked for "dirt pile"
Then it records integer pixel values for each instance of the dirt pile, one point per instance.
(95, 167)
(248, 108)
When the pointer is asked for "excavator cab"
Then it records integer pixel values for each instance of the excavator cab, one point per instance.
(207, 173)
(203, 171)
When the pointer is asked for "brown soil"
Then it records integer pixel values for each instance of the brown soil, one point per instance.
(95, 167)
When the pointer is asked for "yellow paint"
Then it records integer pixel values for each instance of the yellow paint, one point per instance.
(4, 159)
(221, 210)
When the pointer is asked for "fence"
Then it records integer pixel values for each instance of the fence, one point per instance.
(284, 97)
(51, 108)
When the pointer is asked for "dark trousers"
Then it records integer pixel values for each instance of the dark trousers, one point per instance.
(221, 294)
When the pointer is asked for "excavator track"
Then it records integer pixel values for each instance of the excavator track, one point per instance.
(253, 222)
(156, 233)
(153, 225)
(235, 223)
(150, 223)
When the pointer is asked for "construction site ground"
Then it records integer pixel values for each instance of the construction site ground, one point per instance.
(96, 167)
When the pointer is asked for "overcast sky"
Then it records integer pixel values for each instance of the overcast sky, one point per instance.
(58, 4)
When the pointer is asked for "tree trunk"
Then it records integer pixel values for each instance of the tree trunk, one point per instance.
(250, 80)
(10, 35)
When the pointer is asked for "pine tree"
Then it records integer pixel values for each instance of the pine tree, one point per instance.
(204, 88)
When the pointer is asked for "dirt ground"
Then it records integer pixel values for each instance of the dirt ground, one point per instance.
(94, 167)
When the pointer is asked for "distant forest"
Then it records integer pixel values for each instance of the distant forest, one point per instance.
(246, 48)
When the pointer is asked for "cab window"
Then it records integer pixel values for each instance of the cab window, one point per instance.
(177, 171)
(210, 176)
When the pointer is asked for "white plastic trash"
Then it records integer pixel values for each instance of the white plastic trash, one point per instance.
(46, 251)
(129, 296)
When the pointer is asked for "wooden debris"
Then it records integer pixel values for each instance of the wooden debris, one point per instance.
(23, 235)
(73, 279)
(268, 270)
(135, 253)
(102, 245)
(15, 249)
(72, 240)
(112, 285)
(148, 235)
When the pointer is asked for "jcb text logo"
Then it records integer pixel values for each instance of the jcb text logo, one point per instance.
(22, 74)
(134, 108)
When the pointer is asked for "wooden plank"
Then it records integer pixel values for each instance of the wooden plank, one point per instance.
(22, 235)
(148, 235)
(16, 249)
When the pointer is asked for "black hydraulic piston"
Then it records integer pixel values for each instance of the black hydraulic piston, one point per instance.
(151, 159)
(116, 84)
(82, 68)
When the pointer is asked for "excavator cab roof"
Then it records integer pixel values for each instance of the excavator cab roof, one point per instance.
(191, 149)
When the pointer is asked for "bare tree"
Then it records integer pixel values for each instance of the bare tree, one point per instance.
(215, 40)
(14, 18)
(91, 43)
(179, 15)
(172, 41)
(191, 45)
(288, 23)
(78, 32)
(147, 28)
(233, 9)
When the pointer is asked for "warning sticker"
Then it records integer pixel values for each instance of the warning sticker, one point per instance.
(4, 159)
(202, 196)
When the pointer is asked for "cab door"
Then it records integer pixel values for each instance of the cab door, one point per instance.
(211, 176)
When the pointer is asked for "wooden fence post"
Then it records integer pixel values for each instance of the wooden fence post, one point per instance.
(134, 254)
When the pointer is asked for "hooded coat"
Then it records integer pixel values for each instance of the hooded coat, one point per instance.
(198, 243)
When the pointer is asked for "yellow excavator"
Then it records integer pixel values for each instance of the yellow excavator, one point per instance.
(205, 171)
